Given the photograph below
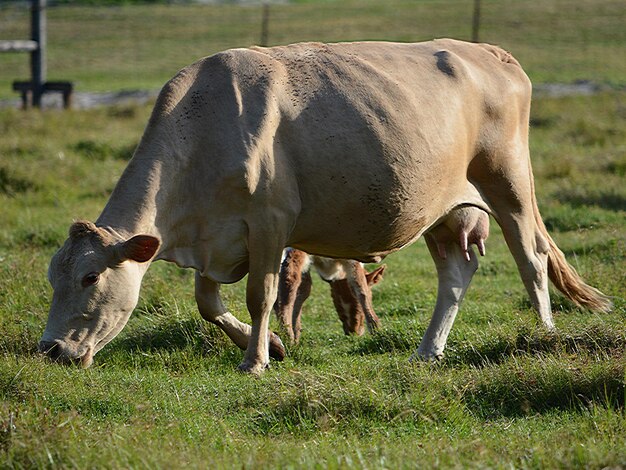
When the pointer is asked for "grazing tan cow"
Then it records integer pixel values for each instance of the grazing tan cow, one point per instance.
(350, 288)
(350, 151)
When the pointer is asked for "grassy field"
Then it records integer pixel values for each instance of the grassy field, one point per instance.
(166, 394)
(141, 46)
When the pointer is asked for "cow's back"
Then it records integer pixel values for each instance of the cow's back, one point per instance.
(363, 145)
(381, 135)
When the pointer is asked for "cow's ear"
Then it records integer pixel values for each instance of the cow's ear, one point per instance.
(375, 276)
(140, 248)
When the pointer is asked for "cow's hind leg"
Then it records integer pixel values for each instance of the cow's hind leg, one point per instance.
(213, 310)
(454, 274)
(530, 250)
(510, 194)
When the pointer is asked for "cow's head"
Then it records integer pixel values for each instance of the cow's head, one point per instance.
(348, 307)
(96, 278)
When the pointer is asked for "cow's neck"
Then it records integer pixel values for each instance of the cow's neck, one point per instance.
(132, 208)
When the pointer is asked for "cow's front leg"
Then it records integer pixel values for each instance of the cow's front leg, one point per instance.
(454, 273)
(261, 292)
(212, 309)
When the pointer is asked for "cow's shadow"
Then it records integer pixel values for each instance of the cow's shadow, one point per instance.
(603, 199)
(524, 373)
(527, 391)
(498, 348)
(190, 334)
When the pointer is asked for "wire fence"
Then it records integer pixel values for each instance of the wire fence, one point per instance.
(140, 46)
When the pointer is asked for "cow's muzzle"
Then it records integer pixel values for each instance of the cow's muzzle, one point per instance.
(55, 351)
(52, 349)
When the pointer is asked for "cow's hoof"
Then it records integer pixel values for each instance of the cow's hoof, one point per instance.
(426, 357)
(253, 368)
(359, 331)
(373, 327)
(277, 348)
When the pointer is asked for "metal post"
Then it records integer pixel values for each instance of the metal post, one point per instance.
(38, 56)
(476, 21)
(265, 21)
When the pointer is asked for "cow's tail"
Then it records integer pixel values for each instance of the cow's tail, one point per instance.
(566, 279)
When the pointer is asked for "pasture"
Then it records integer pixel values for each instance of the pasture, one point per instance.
(141, 46)
(165, 393)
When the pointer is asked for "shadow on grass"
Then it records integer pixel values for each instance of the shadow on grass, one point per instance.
(20, 343)
(307, 404)
(527, 391)
(40, 237)
(11, 185)
(186, 334)
(605, 200)
(387, 341)
(595, 341)
(177, 346)
(100, 151)
(617, 167)
(606, 251)
(98, 408)
(566, 218)
(497, 349)
(558, 302)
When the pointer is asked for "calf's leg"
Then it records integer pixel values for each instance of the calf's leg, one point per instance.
(294, 287)
(304, 291)
(362, 292)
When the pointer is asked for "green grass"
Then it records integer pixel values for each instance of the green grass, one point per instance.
(141, 46)
(166, 393)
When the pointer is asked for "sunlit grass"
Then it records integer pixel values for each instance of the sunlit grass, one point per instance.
(166, 390)
(166, 394)
(142, 46)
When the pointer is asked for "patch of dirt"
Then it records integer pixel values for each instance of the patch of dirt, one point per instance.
(579, 87)
(85, 100)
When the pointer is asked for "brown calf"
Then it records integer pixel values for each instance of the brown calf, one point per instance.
(350, 287)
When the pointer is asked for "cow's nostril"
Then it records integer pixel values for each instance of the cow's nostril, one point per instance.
(50, 348)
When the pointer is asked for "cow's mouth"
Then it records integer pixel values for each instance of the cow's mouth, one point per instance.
(56, 352)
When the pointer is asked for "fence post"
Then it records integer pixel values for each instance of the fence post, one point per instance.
(476, 21)
(265, 21)
(38, 56)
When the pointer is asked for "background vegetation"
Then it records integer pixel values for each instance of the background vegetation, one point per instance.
(141, 46)
(165, 393)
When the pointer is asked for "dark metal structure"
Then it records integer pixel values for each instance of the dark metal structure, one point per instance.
(33, 90)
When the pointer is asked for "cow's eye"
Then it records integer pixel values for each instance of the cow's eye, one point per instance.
(90, 279)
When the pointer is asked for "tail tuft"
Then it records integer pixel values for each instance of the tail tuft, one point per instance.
(567, 280)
